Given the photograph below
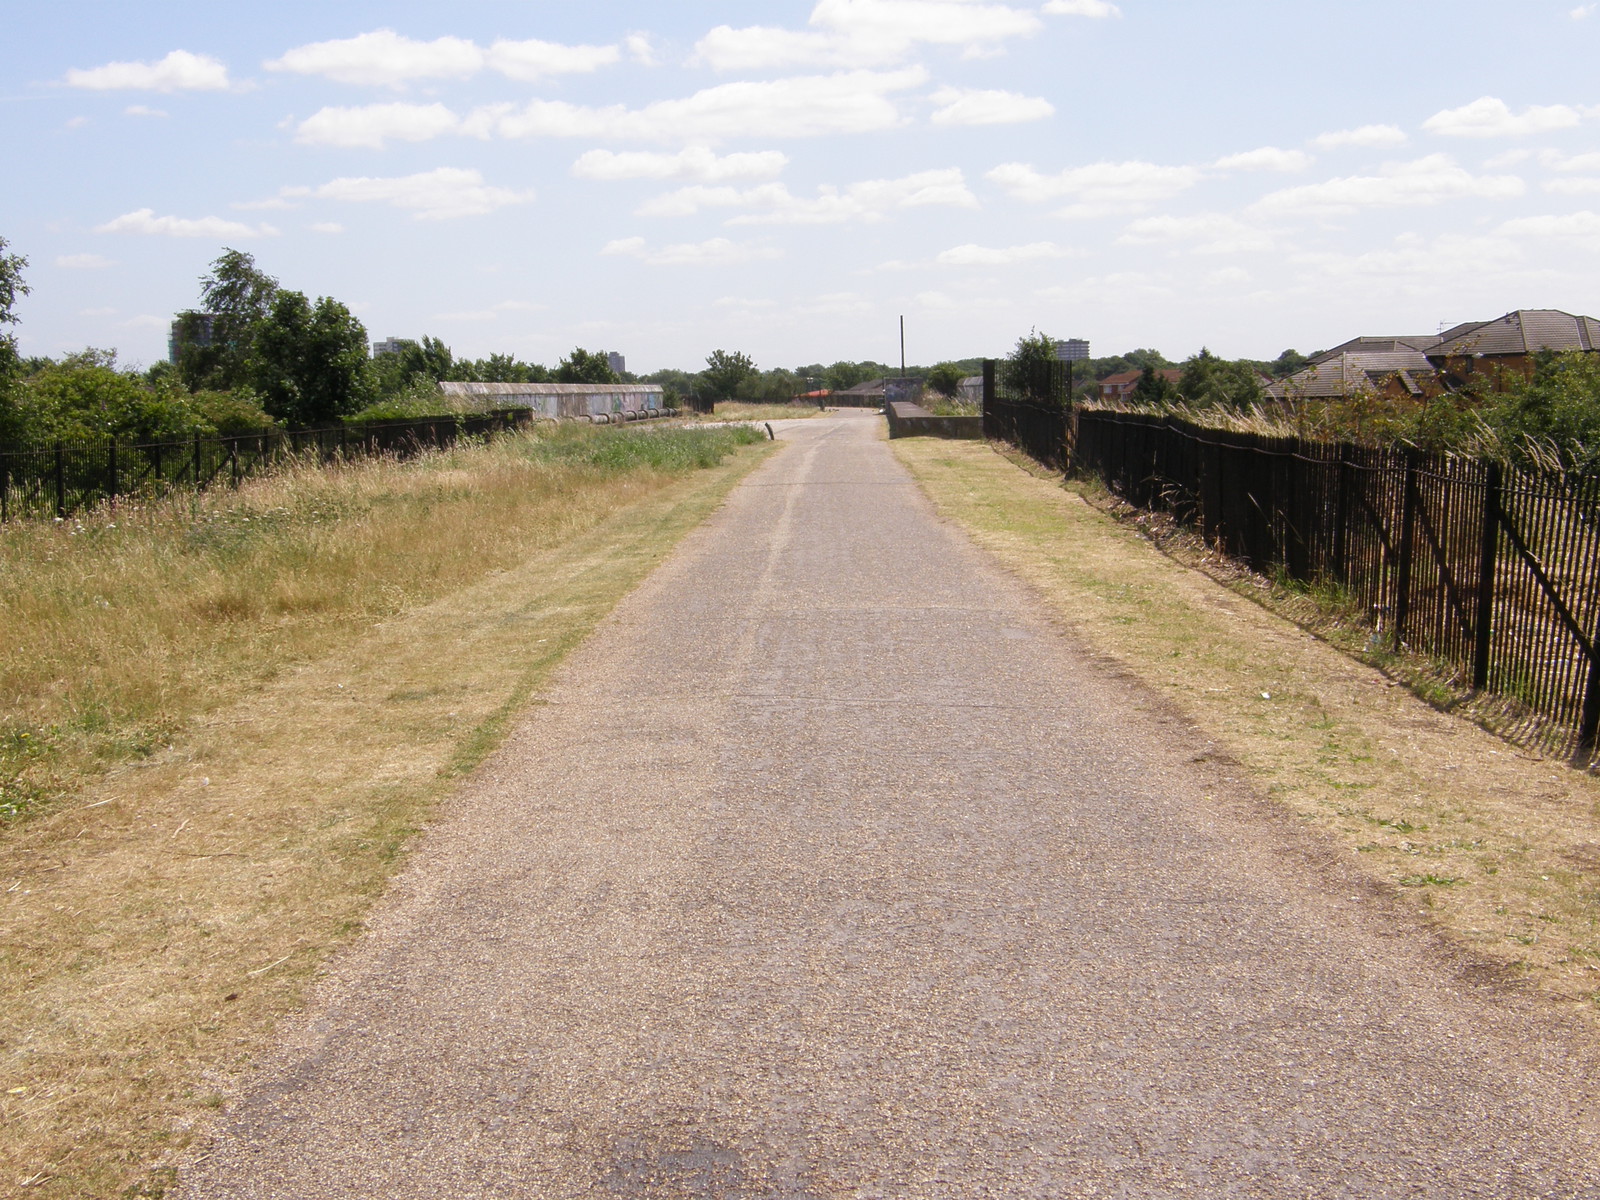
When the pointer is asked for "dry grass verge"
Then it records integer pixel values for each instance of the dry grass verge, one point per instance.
(1498, 848)
(738, 410)
(158, 917)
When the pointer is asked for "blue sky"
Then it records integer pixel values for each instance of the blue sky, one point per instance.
(788, 178)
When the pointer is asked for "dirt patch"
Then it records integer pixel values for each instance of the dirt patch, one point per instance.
(1494, 845)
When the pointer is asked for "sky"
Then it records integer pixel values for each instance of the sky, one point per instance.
(790, 178)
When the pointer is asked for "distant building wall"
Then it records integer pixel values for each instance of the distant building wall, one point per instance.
(617, 362)
(558, 399)
(392, 345)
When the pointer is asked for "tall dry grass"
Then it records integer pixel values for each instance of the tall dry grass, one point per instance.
(326, 653)
(121, 625)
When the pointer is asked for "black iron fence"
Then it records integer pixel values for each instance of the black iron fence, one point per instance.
(55, 479)
(1492, 573)
(1031, 413)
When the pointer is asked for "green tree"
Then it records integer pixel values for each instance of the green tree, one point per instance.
(1032, 369)
(12, 285)
(945, 379)
(585, 366)
(309, 362)
(726, 373)
(1558, 407)
(844, 375)
(1153, 387)
(235, 298)
(1287, 364)
(1211, 382)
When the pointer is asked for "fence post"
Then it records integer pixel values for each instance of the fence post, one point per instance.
(111, 471)
(1486, 570)
(233, 459)
(988, 399)
(197, 462)
(61, 480)
(5, 488)
(1408, 519)
(1341, 514)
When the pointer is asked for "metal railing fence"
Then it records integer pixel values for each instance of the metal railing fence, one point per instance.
(58, 478)
(1491, 572)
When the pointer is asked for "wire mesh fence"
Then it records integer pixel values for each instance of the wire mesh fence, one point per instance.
(58, 478)
(1491, 573)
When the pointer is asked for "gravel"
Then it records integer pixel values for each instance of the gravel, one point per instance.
(830, 868)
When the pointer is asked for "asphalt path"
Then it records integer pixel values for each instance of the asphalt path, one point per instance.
(831, 868)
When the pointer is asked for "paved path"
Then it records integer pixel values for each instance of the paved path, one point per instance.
(833, 870)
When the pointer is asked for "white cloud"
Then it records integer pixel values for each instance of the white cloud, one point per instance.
(999, 256)
(375, 124)
(640, 50)
(1573, 187)
(799, 106)
(145, 221)
(1210, 233)
(77, 122)
(1100, 189)
(532, 60)
(179, 71)
(1488, 117)
(1430, 180)
(1365, 135)
(1415, 261)
(1580, 228)
(273, 203)
(837, 304)
(141, 110)
(83, 262)
(695, 162)
(438, 195)
(1557, 161)
(974, 106)
(1267, 158)
(1582, 11)
(864, 33)
(718, 252)
(384, 58)
(938, 301)
(1082, 8)
(97, 312)
(147, 321)
(327, 227)
(773, 204)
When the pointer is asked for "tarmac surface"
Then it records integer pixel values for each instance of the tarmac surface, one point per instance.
(832, 869)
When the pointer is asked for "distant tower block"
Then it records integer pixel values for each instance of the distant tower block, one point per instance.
(1072, 350)
(391, 345)
(619, 364)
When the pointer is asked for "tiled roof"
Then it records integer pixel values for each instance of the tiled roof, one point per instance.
(1353, 371)
(1522, 332)
(1379, 345)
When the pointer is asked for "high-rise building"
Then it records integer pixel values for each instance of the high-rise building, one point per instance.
(619, 364)
(189, 329)
(390, 345)
(1072, 350)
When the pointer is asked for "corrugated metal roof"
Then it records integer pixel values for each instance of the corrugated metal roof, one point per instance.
(1523, 332)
